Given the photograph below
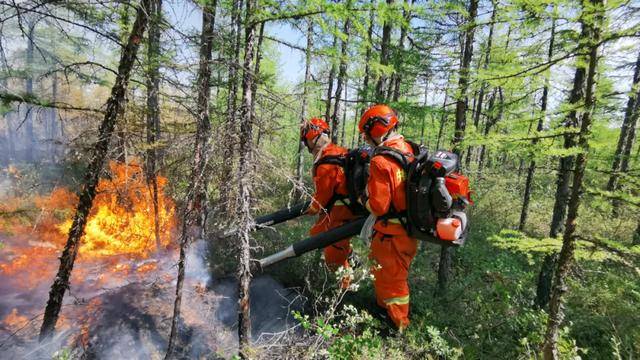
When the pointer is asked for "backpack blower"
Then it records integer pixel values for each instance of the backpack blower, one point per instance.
(437, 200)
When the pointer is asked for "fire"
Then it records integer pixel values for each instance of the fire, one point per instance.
(121, 222)
(14, 321)
(122, 219)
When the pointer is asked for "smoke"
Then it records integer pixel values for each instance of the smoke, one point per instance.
(117, 315)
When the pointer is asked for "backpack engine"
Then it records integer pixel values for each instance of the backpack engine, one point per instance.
(437, 195)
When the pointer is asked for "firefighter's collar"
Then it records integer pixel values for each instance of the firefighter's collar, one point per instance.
(391, 138)
(319, 153)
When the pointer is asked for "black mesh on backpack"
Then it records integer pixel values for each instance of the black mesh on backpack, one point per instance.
(356, 171)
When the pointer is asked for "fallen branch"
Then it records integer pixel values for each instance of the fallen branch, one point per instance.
(7, 98)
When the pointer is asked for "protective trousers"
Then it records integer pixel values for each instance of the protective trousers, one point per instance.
(392, 255)
(337, 254)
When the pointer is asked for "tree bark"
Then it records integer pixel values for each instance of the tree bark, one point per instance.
(88, 192)
(342, 74)
(10, 153)
(332, 75)
(487, 58)
(543, 113)
(244, 181)
(396, 79)
(305, 96)
(53, 121)
(424, 104)
(384, 57)
(256, 74)
(227, 193)
(367, 59)
(636, 235)
(363, 94)
(153, 108)
(556, 309)
(627, 132)
(31, 144)
(566, 162)
(195, 208)
(344, 112)
(444, 268)
(545, 280)
(443, 115)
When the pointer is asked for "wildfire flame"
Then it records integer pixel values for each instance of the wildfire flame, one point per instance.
(121, 222)
(122, 219)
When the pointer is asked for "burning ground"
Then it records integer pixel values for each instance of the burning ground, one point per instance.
(122, 290)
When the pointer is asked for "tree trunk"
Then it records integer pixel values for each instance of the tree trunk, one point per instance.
(305, 96)
(153, 108)
(636, 235)
(363, 94)
(489, 122)
(543, 113)
(444, 268)
(627, 134)
(443, 115)
(31, 144)
(256, 73)
(344, 112)
(367, 59)
(487, 58)
(397, 77)
(53, 120)
(332, 75)
(424, 104)
(254, 91)
(342, 75)
(384, 57)
(10, 152)
(545, 280)
(195, 208)
(556, 308)
(566, 162)
(244, 181)
(227, 197)
(88, 192)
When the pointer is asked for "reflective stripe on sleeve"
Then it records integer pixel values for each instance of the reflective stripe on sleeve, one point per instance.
(402, 300)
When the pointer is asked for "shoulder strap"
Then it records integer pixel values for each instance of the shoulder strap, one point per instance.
(329, 160)
(417, 148)
(400, 157)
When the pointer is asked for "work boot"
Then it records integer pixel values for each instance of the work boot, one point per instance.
(387, 326)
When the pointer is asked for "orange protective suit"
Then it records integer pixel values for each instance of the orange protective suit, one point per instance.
(391, 247)
(329, 179)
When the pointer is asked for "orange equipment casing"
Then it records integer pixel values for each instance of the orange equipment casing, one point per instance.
(458, 186)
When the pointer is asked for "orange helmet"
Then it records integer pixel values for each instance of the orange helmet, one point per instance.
(378, 120)
(313, 128)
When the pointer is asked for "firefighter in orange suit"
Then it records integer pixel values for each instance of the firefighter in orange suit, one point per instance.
(391, 248)
(330, 199)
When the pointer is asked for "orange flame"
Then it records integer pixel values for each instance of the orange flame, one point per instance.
(121, 222)
(122, 219)
(14, 321)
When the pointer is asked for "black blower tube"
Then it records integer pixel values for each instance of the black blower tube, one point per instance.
(283, 215)
(319, 241)
(276, 217)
